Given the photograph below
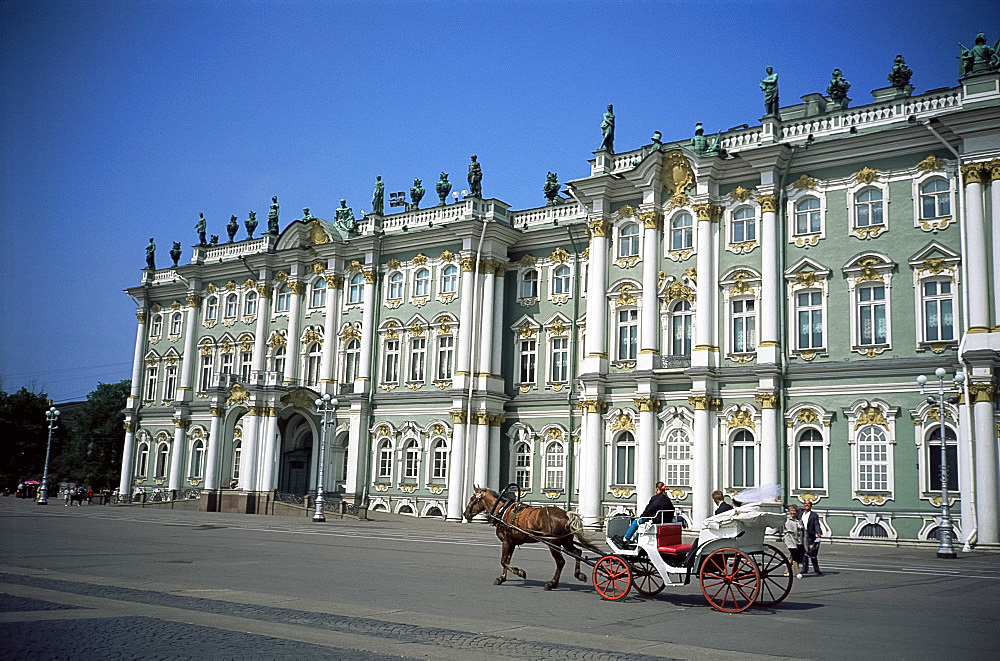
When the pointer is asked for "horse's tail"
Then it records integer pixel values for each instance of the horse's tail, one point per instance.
(576, 525)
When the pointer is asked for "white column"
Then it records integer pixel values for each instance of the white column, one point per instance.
(767, 347)
(140, 343)
(465, 323)
(769, 441)
(966, 479)
(250, 451)
(649, 337)
(269, 435)
(646, 455)
(186, 388)
(494, 469)
(456, 468)
(128, 453)
(292, 348)
(481, 474)
(496, 366)
(177, 454)
(485, 325)
(596, 337)
(361, 385)
(358, 453)
(994, 168)
(335, 287)
(986, 462)
(703, 353)
(591, 461)
(263, 317)
(213, 447)
(701, 461)
(977, 284)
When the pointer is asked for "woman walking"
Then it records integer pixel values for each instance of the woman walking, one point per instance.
(794, 538)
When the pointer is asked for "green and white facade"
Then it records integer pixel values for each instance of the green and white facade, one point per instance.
(709, 321)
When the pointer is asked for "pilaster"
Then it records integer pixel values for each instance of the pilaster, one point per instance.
(456, 468)
(649, 341)
(767, 348)
(185, 391)
(595, 340)
(327, 376)
(365, 357)
(213, 448)
(140, 344)
(177, 452)
(973, 176)
(294, 345)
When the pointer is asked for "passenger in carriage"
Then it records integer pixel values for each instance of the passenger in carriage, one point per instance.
(660, 502)
(720, 501)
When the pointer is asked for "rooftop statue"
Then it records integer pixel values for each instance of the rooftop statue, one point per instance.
(899, 77)
(175, 252)
(769, 85)
(608, 130)
(200, 227)
(443, 188)
(251, 224)
(343, 218)
(837, 89)
(306, 216)
(272, 216)
(551, 189)
(232, 227)
(475, 178)
(151, 255)
(982, 58)
(701, 145)
(416, 193)
(378, 195)
(214, 241)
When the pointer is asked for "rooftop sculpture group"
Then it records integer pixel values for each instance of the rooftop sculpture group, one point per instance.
(981, 58)
(899, 77)
(837, 89)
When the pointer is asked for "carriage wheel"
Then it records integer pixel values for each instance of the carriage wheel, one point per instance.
(647, 580)
(730, 580)
(776, 575)
(612, 578)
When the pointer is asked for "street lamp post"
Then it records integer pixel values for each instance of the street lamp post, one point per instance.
(52, 415)
(945, 550)
(326, 406)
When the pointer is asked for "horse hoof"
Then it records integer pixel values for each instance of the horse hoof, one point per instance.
(498, 581)
(581, 577)
(549, 586)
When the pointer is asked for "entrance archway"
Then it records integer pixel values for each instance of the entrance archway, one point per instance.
(295, 460)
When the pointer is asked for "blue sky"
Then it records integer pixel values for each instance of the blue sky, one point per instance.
(124, 120)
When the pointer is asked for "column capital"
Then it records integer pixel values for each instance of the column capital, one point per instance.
(458, 417)
(651, 220)
(369, 276)
(982, 392)
(181, 423)
(140, 317)
(129, 427)
(592, 405)
(296, 286)
(216, 411)
(599, 227)
(497, 420)
(768, 202)
(482, 418)
(193, 300)
(994, 168)
(468, 263)
(708, 212)
(334, 281)
(647, 404)
(766, 400)
(974, 173)
(265, 291)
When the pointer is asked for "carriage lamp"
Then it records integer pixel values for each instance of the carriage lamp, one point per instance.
(52, 415)
(326, 406)
(946, 549)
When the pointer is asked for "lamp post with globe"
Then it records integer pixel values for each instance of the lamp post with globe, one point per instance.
(326, 406)
(52, 415)
(945, 550)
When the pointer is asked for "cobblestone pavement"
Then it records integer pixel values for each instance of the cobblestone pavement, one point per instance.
(160, 639)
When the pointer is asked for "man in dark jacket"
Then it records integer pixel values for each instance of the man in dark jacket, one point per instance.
(720, 501)
(660, 502)
(814, 535)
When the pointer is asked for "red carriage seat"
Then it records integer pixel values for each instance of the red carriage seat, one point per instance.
(668, 540)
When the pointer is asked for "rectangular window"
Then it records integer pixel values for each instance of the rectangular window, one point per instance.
(939, 321)
(385, 461)
(205, 378)
(871, 315)
(446, 353)
(150, 383)
(934, 465)
(440, 461)
(744, 325)
(560, 359)
(227, 363)
(246, 363)
(809, 308)
(391, 372)
(873, 467)
(810, 467)
(418, 355)
(743, 466)
(522, 472)
(528, 358)
(170, 384)
(411, 462)
(625, 464)
(554, 468)
(628, 332)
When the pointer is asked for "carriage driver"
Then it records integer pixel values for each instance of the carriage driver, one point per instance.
(660, 502)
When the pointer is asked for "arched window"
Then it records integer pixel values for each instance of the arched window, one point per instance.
(411, 461)
(250, 304)
(678, 458)
(529, 284)
(625, 459)
(356, 288)
(313, 354)
(744, 463)
(868, 207)
(156, 326)
(522, 466)
(560, 280)
(176, 323)
(873, 459)
(232, 306)
(811, 469)
(422, 283)
(162, 453)
(284, 299)
(142, 461)
(744, 225)
(555, 465)
(681, 231)
(395, 286)
(934, 458)
(197, 467)
(212, 308)
(935, 199)
(439, 458)
(449, 279)
(318, 297)
(237, 456)
(279, 361)
(385, 460)
(628, 240)
(680, 328)
(352, 356)
(807, 217)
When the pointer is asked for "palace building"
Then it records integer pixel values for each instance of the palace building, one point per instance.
(716, 313)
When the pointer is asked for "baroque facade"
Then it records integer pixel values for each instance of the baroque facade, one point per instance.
(712, 318)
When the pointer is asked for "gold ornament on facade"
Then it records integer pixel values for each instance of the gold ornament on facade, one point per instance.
(622, 492)
(277, 341)
(807, 355)
(647, 404)
(871, 415)
(140, 317)
(626, 211)
(312, 336)
(481, 418)
(740, 419)
(447, 256)
(296, 287)
(249, 284)
(554, 434)
(437, 429)
(625, 296)
(698, 402)
(865, 175)
(265, 290)
(805, 278)
(678, 176)
(238, 432)
(651, 220)
(393, 264)
(994, 169)
(599, 227)
(868, 232)
(807, 417)
(176, 305)
(739, 194)
(318, 268)
(525, 330)
(768, 203)
(742, 248)
(558, 327)
(226, 347)
(585, 255)
(420, 259)
(211, 289)
(661, 277)
(354, 266)
(804, 182)
(181, 423)
(703, 211)
(692, 274)
(156, 308)
(677, 290)
(334, 281)
(872, 498)
(740, 286)
(592, 405)
(742, 359)
(231, 286)
(715, 404)
(807, 240)
(383, 430)
(467, 263)
(973, 173)
(981, 392)
(318, 235)
(559, 256)
(369, 277)
(933, 265)
(171, 360)
(129, 427)
(868, 272)
(238, 395)
(197, 433)
(416, 328)
(931, 164)
(445, 328)
(938, 347)
(766, 400)
(458, 417)
(390, 331)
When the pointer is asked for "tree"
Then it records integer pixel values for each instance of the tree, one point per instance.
(93, 454)
(23, 436)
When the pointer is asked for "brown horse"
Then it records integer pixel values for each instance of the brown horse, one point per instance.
(553, 524)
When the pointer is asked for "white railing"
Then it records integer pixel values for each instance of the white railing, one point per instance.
(234, 250)
(741, 140)
(164, 276)
(546, 215)
(626, 161)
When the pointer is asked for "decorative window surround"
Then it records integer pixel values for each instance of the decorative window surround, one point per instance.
(619, 436)
(740, 283)
(521, 461)
(746, 214)
(798, 419)
(557, 331)
(732, 420)
(926, 172)
(868, 182)
(627, 239)
(806, 276)
(526, 331)
(800, 190)
(936, 262)
(873, 519)
(675, 461)
(927, 421)
(527, 282)
(878, 414)
(684, 230)
(869, 269)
